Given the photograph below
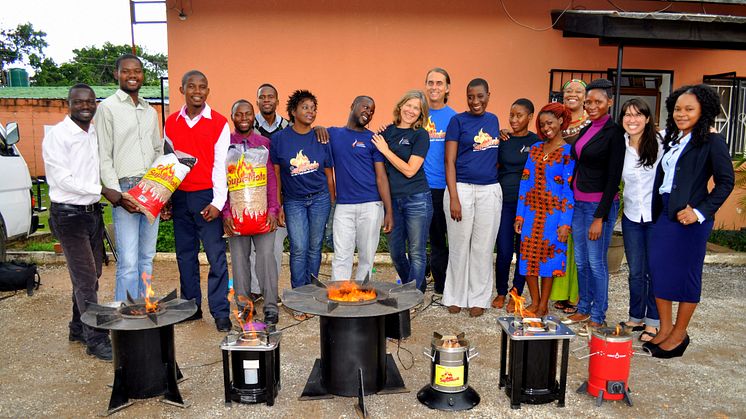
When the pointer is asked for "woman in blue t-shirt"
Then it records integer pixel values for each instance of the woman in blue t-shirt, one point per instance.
(303, 168)
(404, 144)
(474, 200)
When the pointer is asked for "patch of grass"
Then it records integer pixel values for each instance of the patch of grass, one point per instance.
(165, 241)
(39, 246)
(732, 239)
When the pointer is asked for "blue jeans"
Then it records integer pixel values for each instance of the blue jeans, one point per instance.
(508, 243)
(306, 220)
(592, 260)
(642, 306)
(136, 239)
(412, 216)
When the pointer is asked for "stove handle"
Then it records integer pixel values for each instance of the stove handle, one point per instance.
(428, 354)
(471, 354)
(588, 356)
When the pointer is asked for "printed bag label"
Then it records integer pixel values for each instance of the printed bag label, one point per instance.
(449, 376)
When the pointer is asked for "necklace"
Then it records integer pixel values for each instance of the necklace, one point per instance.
(546, 154)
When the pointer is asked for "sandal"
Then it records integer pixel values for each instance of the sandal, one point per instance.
(297, 315)
(633, 328)
(650, 335)
(562, 304)
(570, 309)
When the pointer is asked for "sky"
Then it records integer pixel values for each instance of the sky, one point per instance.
(72, 24)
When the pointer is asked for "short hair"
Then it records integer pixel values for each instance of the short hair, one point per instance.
(708, 100)
(478, 82)
(525, 103)
(125, 57)
(361, 97)
(424, 110)
(649, 139)
(191, 73)
(79, 86)
(239, 102)
(296, 98)
(442, 71)
(558, 110)
(601, 84)
(263, 86)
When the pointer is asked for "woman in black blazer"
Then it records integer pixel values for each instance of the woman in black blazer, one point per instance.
(683, 210)
(599, 159)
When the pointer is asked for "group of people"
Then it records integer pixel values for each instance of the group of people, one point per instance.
(455, 180)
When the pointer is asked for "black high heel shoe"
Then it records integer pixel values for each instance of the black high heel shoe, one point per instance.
(673, 353)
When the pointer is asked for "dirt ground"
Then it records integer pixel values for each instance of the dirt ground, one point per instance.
(44, 375)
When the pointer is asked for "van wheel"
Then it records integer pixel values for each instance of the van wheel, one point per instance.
(3, 240)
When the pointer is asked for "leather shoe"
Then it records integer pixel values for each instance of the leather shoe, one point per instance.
(256, 297)
(223, 324)
(271, 318)
(101, 350)
(673, 353)
(196, 316)
(76, 337)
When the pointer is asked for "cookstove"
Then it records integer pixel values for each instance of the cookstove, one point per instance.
(252, 359)
(449, 374)
(142, 339)
(610, 353)
(353, 330)
(532, 365)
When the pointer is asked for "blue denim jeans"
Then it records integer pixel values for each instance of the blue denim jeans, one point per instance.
(412, 216)
(306, 220)
(508, 243)
(642, 306)
(592, 260)
(135, 238)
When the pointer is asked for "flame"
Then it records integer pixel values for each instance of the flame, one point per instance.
(519, 304)
(247, 312)
(618, 330)
(150, 306)
(430, 126)
(349, 291)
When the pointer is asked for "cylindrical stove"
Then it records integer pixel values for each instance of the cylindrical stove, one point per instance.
(531, 375)
(251, 367)
(142, 340)
(608, 368)
(449, 374)
(354, 321)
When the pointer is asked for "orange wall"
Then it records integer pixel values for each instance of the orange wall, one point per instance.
(342, 48)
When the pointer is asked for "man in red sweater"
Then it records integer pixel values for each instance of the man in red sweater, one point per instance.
(198, 130)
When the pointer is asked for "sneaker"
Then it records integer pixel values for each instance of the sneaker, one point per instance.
(223, 324)
(101, 350)
(76, 337)
(196, 316)
(271, 318)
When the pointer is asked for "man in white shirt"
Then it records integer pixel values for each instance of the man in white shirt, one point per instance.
(129, 141)
(71, 163)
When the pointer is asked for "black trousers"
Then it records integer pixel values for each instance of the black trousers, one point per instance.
(81, 235)
(438, 241)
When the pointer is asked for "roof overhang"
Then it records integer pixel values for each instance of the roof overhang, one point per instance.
(670, 30)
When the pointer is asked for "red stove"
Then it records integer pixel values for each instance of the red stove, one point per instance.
(142, 340)
(608, 368)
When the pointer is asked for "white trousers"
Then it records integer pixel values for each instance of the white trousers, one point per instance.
(356, 225)
(280, 235)
(471, 242)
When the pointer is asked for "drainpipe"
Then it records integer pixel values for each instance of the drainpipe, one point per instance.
(618, 86)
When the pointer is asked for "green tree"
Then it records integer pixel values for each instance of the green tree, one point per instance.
(21, 43)
(95, 66)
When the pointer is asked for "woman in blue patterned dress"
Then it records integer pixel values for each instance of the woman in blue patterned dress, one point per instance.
(545, 204)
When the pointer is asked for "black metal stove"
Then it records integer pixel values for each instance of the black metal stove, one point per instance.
(532, 371)
(142, 340)
(353, 337)
(253, 357)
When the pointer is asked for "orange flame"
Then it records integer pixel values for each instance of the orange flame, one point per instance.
(519, 304)
(618, 330)
(247, 312)
(349, 291)
(150, 306)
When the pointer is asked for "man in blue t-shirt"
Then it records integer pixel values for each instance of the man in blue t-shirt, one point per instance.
(363, 197)
(437, 85)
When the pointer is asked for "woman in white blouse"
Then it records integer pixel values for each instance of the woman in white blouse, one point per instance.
(643, 151)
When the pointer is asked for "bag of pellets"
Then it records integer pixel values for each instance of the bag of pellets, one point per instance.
(246, 171)
(159, 183)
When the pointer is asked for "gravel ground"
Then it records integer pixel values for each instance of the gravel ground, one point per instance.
(42, 374)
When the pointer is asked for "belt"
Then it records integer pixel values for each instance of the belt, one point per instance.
(133, 179)
(77, 208)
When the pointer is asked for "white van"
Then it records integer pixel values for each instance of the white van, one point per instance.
(18, 218)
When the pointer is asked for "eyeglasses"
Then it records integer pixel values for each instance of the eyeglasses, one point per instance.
(633, 116)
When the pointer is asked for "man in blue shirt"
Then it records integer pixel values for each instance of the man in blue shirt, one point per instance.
(363, 198)
(437, 86)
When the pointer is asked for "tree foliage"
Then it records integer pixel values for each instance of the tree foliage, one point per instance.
(95, 66)
(22, 43)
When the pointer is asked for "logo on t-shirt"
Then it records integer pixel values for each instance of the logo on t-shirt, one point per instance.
(301, 165)
(358, 144)
(431, 130)
(484, 141)
(404, 141)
